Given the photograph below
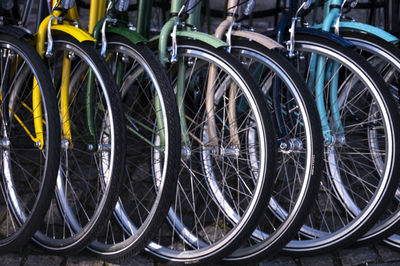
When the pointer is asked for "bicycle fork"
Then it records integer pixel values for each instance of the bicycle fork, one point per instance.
(64, 91)
(320, 78)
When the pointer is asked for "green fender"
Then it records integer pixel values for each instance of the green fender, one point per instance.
(168, 28)
(196, 35)
(131, 35)
(203, 37)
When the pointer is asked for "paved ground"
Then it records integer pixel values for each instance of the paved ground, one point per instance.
(373, 255)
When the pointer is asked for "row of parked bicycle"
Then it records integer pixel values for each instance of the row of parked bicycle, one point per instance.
(197, 147)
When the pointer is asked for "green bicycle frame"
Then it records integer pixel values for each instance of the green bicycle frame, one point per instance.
(120, 28)
(164, 37)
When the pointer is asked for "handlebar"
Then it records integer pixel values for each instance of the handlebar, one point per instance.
(122, 5)
(249, 7)
(67, 4)
(307, 4)
(189, 9)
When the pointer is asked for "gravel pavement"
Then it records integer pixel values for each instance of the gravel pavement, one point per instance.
(372, 255)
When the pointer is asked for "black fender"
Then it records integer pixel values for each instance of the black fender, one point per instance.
(317, 32)
(326, 35)
(16, 31)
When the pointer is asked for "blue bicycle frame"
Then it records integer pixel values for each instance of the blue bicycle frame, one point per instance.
(332, 14)
(319, 66)
(352, 25)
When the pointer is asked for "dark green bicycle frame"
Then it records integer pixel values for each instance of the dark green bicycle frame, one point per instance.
(120, 27)
(187, 32)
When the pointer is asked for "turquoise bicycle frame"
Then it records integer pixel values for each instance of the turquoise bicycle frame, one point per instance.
(319, 65)
(357, 26)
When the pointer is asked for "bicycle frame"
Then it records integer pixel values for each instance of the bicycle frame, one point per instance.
(333, 14)
(321, 67)
(226, 28)
(352, 25)
(98, 19)
(318, 66)
(171, 26)
(55, 22)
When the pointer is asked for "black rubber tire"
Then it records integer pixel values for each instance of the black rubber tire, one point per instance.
(40, 203)
(374, 46)
(135, 243)
(287, 228)
(103, 211)
(240, 232)
(377, 204)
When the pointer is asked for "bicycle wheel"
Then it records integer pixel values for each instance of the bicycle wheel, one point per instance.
(153, 149)
(300, 156)
(361, 160)
(385, 58)
(29, 152)
(93, 147)
(239, 168)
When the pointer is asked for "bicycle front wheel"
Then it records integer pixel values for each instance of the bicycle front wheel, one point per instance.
(153, 148)
(362, 140)
(385, 58)
(228, 152)
(93, 147)
(30, 142)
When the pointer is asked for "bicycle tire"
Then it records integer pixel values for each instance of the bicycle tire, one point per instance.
(197, 176)
(94, 152)
(28, 170)
(356, 209)
(298, 175)
(385, 57)
(141, 208)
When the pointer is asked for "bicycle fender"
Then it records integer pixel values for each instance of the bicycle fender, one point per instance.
(380, 33)
(15, 31)
(131, 35)
(326, 35)
(361, 27)
(203, 37)
(194, 35)
(258, 38)
(79, 34)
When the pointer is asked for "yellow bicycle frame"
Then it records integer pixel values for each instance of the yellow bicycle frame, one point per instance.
(97, 12)
(80, 35)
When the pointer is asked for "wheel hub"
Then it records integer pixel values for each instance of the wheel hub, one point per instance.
(230, 152)
(291, 145)
(5, 143)
(186, 153)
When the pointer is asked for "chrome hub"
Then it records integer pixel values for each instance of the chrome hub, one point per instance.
(230, 152)
(103, 147)
(65, 144)
(291, 145)
(5, 144)
(186, 153)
